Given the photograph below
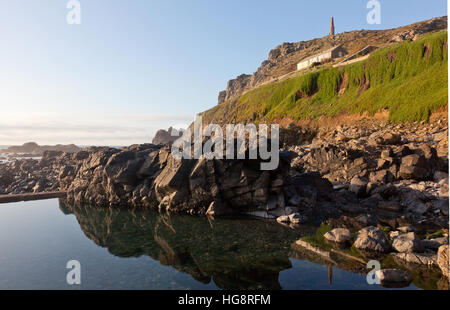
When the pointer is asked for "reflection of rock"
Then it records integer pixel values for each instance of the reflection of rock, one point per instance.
(423, 260)
(235, 254)
(391, 277)
(305, 251)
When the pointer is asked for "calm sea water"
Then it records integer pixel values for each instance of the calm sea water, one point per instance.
(120, 249)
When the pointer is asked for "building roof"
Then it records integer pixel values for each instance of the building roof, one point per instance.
(368, 47)
(321, 53)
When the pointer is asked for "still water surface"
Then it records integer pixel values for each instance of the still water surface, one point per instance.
(120, 249)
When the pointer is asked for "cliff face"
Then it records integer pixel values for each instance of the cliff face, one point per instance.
(284, 58)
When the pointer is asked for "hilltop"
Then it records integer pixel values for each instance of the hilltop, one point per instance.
(408, 80)
(283, 59)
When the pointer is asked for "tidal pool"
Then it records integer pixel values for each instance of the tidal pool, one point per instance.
(125, 249)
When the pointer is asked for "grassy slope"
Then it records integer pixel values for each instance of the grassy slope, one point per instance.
(409, 79)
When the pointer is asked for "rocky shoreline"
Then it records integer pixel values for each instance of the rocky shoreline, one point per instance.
(368, 174)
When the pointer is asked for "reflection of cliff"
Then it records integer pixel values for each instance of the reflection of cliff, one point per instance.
(235, 254)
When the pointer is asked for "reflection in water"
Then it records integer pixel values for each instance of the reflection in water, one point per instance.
(235, 254)
(230, 253)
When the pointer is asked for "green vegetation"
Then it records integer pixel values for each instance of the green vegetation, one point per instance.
(437, 234)
(317, 239)
(409, 79)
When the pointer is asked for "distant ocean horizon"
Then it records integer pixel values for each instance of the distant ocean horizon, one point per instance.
(2, 147)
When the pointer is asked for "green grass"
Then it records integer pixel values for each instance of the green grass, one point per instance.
(409, 79)
(437, 234)
(317, 239)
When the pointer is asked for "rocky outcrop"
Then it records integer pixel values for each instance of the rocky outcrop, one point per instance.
(164, 137)
(35, 149)
(235, 87)
(36, 176)
(150, 176)
(388, 176)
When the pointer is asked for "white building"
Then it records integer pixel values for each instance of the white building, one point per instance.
(331, 54)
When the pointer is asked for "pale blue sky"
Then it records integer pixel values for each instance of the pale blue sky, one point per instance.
(134, 66)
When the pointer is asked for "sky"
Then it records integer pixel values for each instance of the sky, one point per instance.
(133, 67)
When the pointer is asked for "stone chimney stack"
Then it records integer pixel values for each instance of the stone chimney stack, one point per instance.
(332, 27)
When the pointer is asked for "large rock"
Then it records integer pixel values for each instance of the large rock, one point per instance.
(163, 137)
(372, 239)
(358, 186)
(339, 235)
(443, 260)
(150, 176)
(408, 243)
(413, 167)
(390, 139)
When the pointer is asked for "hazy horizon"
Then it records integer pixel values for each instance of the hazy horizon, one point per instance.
(131, 68)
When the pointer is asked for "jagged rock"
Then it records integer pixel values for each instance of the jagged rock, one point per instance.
(164, 137)
(443, 260)
(408, 243)
(358, 186)
(381, 177)
(413, 167)
(339, 235)
(372, 239)
(390, 138)
(149, 176)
